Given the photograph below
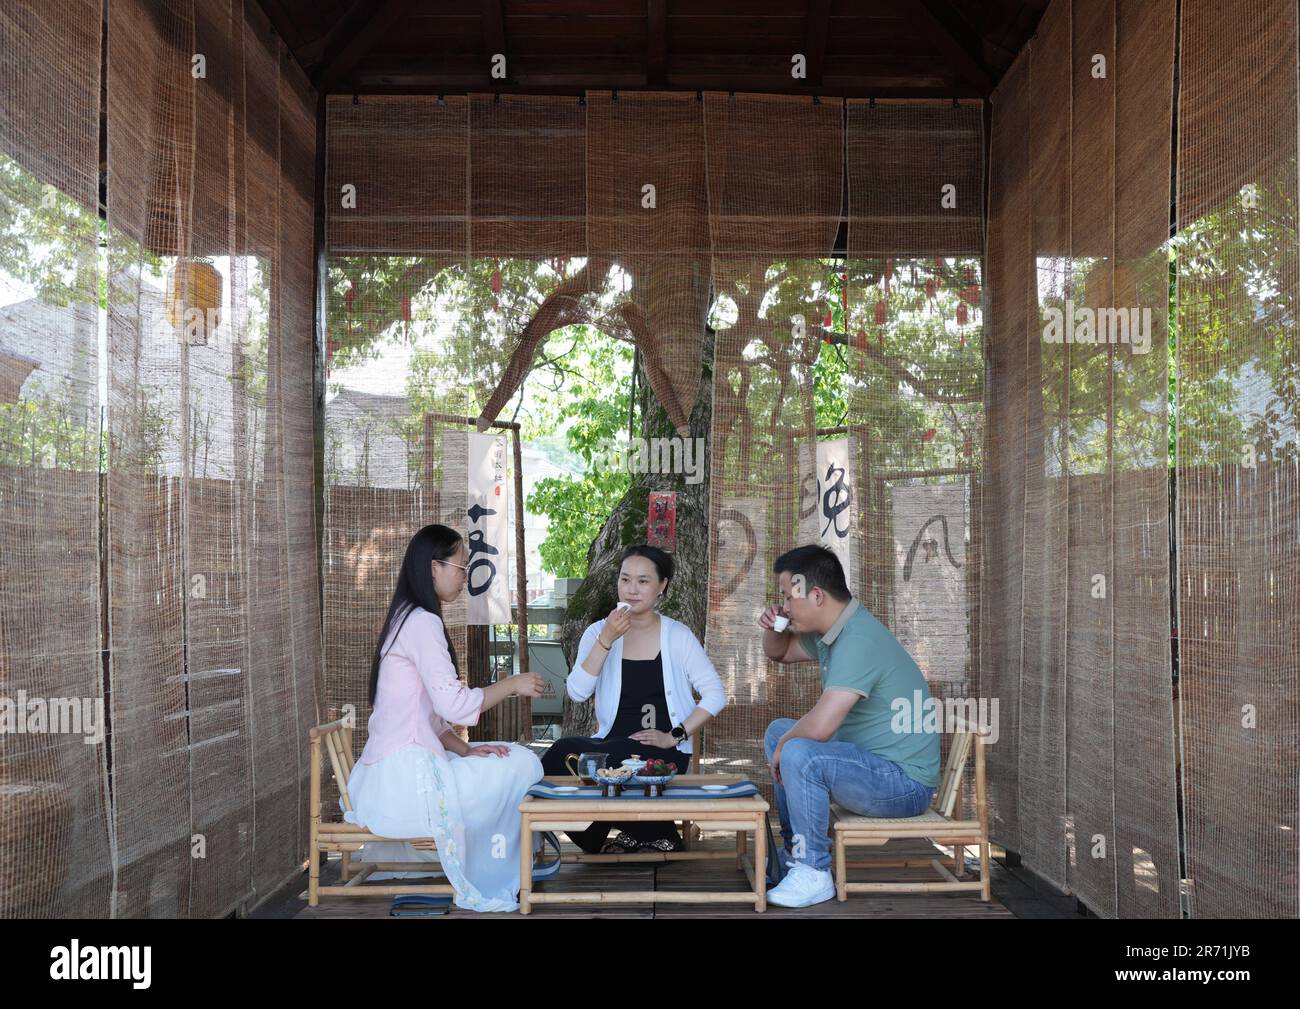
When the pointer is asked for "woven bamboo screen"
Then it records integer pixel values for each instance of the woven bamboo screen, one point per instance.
(775, 178)
(1238, 483)
(1077, 454)
(212, 587)
(55, 857)
(914, 399)
(464, 249)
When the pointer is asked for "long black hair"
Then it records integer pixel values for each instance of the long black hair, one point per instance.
(415, 589)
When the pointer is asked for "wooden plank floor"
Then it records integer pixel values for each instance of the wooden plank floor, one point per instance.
(695, 875)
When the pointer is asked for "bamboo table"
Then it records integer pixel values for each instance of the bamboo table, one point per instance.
(739, 814)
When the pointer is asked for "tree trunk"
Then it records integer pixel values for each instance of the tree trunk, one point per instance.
(687, 596)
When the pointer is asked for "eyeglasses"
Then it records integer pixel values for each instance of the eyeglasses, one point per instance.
(455, 565)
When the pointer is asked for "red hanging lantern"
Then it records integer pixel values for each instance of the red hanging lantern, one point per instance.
(961, 339)
(496, 281)
(972, 294)
(930, 288)
(406, 308)
(929, 435)
(882, 313)
(829, 320)
(860, 341)
(350, 297)
(961, 313)
(970, 276)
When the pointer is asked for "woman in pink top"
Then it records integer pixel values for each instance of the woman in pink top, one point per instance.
(416, 777)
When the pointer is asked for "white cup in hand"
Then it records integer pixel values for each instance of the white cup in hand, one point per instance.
(623, 606)
(779, 624)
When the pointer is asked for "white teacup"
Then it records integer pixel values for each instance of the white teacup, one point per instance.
(779, 624)
(623, 606)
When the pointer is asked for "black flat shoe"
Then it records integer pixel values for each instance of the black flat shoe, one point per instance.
(664, 844)
(620, 844)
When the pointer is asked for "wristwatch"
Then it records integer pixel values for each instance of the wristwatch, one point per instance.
(679, 733)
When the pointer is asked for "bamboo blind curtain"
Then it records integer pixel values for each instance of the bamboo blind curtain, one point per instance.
(1238, 496)
(55, 853)
(1077, 559)
(214, 631)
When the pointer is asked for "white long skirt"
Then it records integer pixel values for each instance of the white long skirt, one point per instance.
(469, 805)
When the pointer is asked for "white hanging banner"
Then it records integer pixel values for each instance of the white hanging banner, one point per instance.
(489, 531)
(931, 614)
(835, 501)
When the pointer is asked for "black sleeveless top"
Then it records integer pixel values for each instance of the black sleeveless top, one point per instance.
(643, 689)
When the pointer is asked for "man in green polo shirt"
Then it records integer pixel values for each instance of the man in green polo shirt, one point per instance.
(846, 748)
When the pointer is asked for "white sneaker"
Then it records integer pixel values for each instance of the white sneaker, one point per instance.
(802, 886)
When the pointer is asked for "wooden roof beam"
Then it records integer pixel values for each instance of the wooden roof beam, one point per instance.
(816, 28)
(363, 40)
(494, 36)
(941, 18)
(656, 45)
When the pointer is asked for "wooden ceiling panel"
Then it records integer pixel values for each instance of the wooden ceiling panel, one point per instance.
(854, 47)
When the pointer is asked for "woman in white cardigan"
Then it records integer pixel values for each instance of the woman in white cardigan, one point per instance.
(646, 670)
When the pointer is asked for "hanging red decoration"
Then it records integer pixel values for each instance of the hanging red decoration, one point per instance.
(929, 435)
(829, 320)
(972, 294)
(962, 339)
(496, 281)
(889, 270)
(930, 288)
(970, 276)
(882, 313)
(860, 342)
(406, 308)
(967, 447)
(350, 297)
(961, 313)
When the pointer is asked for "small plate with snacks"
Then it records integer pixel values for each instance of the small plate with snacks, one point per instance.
(656, 772)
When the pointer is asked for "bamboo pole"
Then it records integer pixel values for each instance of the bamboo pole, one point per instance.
(841, 869)
(313, 854)
(910, 887)
(525, 863)
(523, 705)
(643, 897)
(982, 808)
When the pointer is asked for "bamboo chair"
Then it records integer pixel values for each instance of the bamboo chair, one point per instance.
(937, 824)
(344, 837)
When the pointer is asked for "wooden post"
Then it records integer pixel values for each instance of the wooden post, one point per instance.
(525, 863)
(841, 868)
(313, 855)
(524, 705)
(760, 862)
(982, 807)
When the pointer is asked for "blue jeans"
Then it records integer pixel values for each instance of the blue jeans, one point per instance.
(813, 774)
